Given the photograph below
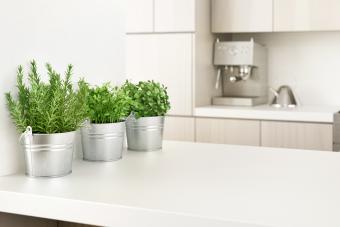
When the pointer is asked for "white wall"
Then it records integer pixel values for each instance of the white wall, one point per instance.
(309, 62)
(89, 34)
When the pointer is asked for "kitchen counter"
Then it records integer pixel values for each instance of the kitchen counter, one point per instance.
(188, 184)
(322, 114)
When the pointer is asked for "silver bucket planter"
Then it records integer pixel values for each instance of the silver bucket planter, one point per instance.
(103, 142)
(145, 133)
(48, 155)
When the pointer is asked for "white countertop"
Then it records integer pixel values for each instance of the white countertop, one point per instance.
(188, 185)
(322, 114)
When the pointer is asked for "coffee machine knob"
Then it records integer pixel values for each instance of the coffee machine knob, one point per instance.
(234, 79)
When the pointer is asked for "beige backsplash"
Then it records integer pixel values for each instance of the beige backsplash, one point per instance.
(309, 62)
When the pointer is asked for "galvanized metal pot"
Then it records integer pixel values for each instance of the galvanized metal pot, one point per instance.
(103, 142)
(145, 133)
(48, 155)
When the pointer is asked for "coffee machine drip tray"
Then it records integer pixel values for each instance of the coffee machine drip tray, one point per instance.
(239, 101)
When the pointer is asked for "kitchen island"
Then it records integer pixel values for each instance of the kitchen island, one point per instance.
(188, 184)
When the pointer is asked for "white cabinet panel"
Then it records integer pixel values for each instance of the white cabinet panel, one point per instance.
(311, 136)
(139, 16)
(242, 16)
(166, 58)
(306, 15)
(179, 128)
(228, 131)
(174, 15)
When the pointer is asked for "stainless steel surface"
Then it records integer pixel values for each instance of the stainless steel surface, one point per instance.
(103, 142)
(243, 66)
(234, 79)
(336, 132)
(245, 72)
(145, 134)
(238, 101)
(283, 97)
(48, 155)
(218, 79)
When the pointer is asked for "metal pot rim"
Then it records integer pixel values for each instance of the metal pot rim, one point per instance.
(145, 121)
(152, 117)
(51, 134)
(116, 123)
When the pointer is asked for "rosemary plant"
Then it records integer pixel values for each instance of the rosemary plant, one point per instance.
(53, 107)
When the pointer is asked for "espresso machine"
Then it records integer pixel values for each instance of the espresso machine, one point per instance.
(242, 70)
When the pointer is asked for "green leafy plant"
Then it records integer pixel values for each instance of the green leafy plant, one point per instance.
(107, 104)
(149, 98)
(53, 107)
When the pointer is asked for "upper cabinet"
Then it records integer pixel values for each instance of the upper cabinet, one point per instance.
(166, 58)
(242, 16)
(234, 16)
(139, 16)
(306, 15)
(174, 15)
(147, 16)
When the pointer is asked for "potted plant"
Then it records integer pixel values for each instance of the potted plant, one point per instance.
(103, 136)
(144, 127)
(47, 115)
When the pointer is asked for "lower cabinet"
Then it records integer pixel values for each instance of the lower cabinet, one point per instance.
(298, 135)
(70, 224)
(313, 136)
(228, 131)
(15, 220)
(179, 128)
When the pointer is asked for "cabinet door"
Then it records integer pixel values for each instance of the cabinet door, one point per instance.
(306, 15)
(139, 16)
(13, 220)
(174, 15)
(242, 16)
(166, 58)
(71, 224)
(228, 131)
(297, 135)
(179, 128)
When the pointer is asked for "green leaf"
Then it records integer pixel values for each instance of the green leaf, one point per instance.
(52, 107)
(149, 98)
(107, 104)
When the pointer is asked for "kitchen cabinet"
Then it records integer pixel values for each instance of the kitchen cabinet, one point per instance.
(175, 53)
(179, 128)
(166, 58)
(71, 224)
(284, 134)
(242, 16)
(228, 131)
(174, 15)
(306, 15)
(139, 16)
(314, 136)
(146, 16)
(13, 220)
